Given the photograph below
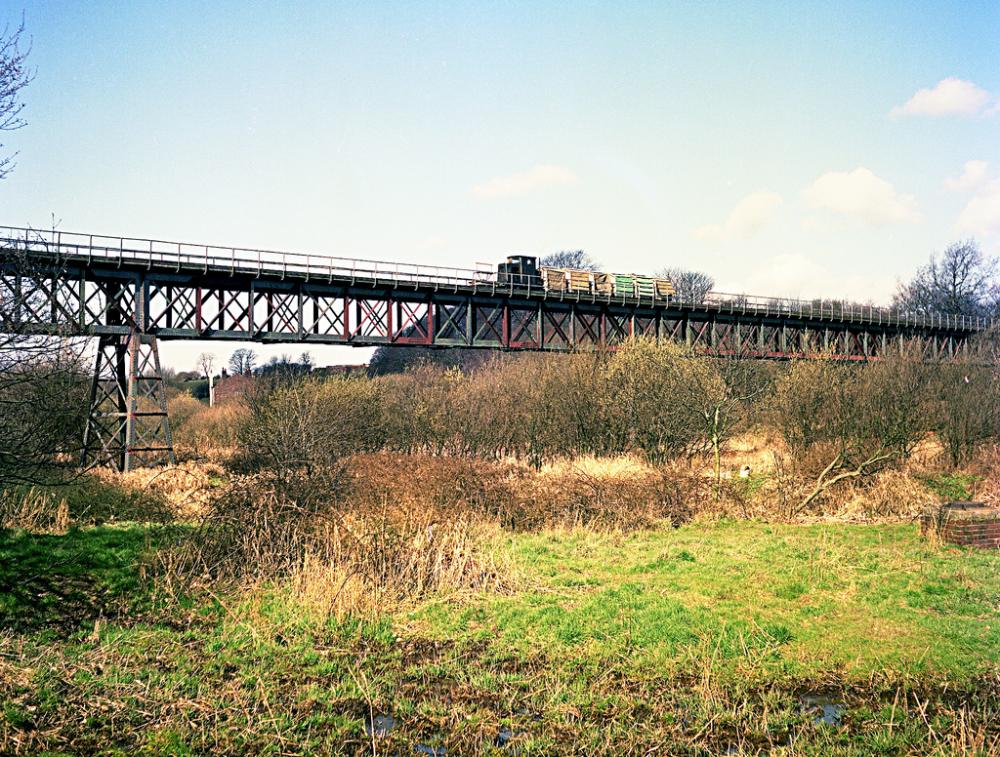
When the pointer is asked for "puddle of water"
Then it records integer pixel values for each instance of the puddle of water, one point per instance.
(503, 736)
(825, 711)
(434, 751)
(380, 725)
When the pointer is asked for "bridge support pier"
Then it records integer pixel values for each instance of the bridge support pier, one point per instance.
(127, 423)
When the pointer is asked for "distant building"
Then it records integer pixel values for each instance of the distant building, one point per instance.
(232, 388)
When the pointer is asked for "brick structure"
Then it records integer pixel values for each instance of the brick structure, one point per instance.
(970, 524)
(232, 388)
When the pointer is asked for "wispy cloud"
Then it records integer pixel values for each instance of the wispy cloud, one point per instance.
(981, 216)
(949, 97)
(746, 218)
(524, 182)
(973, 175)
(862, 194)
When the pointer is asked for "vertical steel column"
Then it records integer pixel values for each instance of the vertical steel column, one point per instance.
(127, 421)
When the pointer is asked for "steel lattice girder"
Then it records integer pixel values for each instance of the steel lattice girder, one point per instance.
(104, 301)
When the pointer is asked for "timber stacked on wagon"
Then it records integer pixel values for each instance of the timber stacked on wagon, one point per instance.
(595, 282)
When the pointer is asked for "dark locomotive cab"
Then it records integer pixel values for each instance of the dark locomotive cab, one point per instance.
(519, 270)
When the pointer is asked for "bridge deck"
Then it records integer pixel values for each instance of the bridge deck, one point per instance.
(96, 252)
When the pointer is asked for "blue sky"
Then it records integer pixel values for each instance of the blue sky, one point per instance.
(786, 148)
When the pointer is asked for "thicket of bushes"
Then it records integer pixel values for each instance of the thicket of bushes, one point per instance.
(364, 490)
(837, 420)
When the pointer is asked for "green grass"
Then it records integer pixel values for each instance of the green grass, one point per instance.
(689, 641)
(952, 487)
(769, 602)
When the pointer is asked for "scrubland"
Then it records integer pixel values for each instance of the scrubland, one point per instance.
(638, 553)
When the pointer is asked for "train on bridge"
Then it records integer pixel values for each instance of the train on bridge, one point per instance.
(524, 270)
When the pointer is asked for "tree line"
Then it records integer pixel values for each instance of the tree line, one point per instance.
(837, 421)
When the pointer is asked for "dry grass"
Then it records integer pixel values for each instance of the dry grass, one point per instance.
(620, 493)
(200, 431)
(337, 554)
(187, 489)
(35, 509)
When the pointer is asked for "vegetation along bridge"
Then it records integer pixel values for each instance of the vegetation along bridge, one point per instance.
(131, 292)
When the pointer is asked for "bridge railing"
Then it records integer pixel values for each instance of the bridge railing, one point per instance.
(160, 254)
(258, 262)
(845, 310)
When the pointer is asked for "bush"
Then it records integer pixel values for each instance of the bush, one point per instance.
(311, 424)
(201, 430)
(964, 408)
(845, 421)
(339, 553)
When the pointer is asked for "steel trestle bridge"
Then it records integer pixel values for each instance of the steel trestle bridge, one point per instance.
(131, 292)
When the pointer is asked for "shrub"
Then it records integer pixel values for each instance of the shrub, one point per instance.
(311, 424)
(201, 430)
(964, 408)
(846, 421)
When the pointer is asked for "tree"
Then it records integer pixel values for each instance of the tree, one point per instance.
(692, 286)
(965, 407)
(206, 363)
(645, 383)
(43, 387)
(389, 359)
(961, 282)
(576, 259)
(847, 422)
(242, 362)
(14, 77)
(722, 391)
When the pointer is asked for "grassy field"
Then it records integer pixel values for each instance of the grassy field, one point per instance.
(716, 637)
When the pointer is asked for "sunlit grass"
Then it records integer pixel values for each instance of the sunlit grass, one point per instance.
(750, 599)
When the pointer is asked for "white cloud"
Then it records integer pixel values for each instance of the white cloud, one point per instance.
(861, 194)
(523, 182)
(798, 275)
(971, 178)
(981, 216)
(949, 97)
(746, 218)
(431, 243)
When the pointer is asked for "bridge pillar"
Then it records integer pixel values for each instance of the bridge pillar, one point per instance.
(127, 423)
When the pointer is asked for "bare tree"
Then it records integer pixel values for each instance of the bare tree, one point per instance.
(575, 259)
(965, 407)
(847, 421)
(961, 282)
(206, 364)
(722, 391)
(242, 361)
(14, 77)
(691, 286)
(42, 383)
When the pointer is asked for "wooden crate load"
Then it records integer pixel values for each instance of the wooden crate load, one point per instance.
(625, 284)
(580, 281)
(554, 279)
(645, 286)
(604, 283)
(665, 288)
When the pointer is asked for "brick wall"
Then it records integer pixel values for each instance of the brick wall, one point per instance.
(981, 529)
(972, 533)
